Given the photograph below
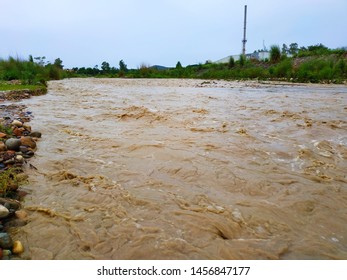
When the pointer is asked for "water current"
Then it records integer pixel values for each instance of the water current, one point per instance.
(187, 169)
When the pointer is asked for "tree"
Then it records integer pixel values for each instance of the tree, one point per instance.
(58, 63)
(293, 48)
(275, 54)
(122, 66)
(105, 67)
(40, 60)
(285, 49)
(178, 65)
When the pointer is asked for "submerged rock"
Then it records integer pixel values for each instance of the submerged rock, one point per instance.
(36, 134)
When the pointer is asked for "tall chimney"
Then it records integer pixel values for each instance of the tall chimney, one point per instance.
(244, 33)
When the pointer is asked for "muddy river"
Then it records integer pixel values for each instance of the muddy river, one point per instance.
(187, 169)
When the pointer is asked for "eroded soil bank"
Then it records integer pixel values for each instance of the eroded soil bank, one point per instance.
(187, 169)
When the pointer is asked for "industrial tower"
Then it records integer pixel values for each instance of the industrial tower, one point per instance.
(244, 33)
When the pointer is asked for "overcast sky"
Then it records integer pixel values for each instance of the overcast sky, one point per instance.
(162, 32)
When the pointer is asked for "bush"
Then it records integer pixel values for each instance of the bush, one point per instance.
(275, 54)
(231, 63)
(283, 69)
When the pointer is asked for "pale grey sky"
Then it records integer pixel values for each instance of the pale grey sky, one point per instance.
(88, 32)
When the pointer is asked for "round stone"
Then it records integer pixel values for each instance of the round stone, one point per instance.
(19, 159)
(5, 241)
(2, 146)
(17, 247)
(21, 214)
(17, 123)
(4, 212)
(13, 144)
(27, 141)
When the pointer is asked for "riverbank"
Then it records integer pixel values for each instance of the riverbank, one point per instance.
(17, 146)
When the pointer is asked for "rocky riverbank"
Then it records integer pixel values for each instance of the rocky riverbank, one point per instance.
(17, 146)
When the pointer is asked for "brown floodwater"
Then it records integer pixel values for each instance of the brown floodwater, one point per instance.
(187, 169)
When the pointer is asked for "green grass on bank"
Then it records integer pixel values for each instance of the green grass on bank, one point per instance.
(8, 87)
(34, 71)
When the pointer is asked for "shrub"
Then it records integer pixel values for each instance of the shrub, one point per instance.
(275, 54)
(231, 63)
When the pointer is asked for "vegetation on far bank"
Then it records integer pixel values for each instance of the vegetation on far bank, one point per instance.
(314, 64)
(306, 64)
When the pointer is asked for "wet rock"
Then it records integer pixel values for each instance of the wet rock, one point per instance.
(21, 215)
(18, 131)
(17, 247)
(13, 144)
(23, 149)
(6, 253)
(27, 141)
(4, 212)
(27, 127)
(28, 154)
(2, 146)
(17, 123)
(5, 241)
(36, 134)
(10, 203)
(19, 159)
(10, 161)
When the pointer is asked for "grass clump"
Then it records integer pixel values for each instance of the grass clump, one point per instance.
(30, 72)
(9, 181)
(5, 129)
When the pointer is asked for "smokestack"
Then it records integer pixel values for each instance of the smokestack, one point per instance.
(244, 33)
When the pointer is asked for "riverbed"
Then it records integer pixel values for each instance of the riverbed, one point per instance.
(187, 169)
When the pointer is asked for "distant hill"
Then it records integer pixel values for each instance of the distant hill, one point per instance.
(159, 67)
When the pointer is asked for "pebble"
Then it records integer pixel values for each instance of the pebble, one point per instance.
(17, 247)
(4, 212)
(19, 159)
(5, 241)
(13, 144)
(27, 126)
(2, 146)
(10, 203)
(27, 141)
(21, 215)
(36, 134)
(18, 131)
(6, 253)
(3, 135)
(17, 123)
